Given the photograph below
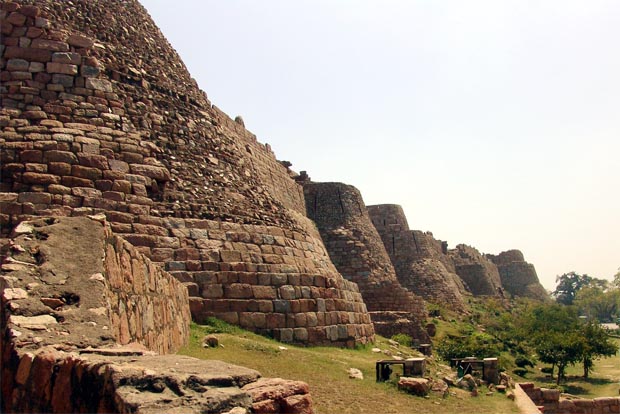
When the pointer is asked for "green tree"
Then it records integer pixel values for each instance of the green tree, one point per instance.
(559, 349)
(596, 344)
(553, 330)
(616, 281)
(598, 304)
(568, 285)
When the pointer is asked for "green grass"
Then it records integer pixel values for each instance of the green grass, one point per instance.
(325, 370)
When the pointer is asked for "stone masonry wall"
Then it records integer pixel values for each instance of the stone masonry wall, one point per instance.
(552, 402)
(477, 271)
(146, 305)
(99, 115)
(419, 260)
(518, 277)
(80, 309)
(355, 248)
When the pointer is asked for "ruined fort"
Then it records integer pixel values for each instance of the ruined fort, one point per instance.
(180, 214)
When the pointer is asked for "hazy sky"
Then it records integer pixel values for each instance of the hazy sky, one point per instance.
(493, 123)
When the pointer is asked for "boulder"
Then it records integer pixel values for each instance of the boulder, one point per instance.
(415, 386)
(440, 387)
(210, 341)
(355, 373)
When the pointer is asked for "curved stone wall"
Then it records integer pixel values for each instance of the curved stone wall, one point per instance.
(99, 115)
(477, 271)
(420, 261)
(82, 312)
(356, 249)
(519, 278)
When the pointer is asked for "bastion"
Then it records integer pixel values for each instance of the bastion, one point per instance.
(421, 262)
(356, 249)
(89, 325)
(100, 116)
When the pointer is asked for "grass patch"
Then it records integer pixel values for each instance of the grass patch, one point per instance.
(325, 370)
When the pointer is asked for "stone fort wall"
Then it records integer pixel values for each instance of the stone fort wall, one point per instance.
(518, 277)
(83, 317)
(420, 260)
(479, 274)
(356, 249)
(99, 115)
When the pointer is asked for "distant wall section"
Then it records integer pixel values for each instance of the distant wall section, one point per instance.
(420, 260)
(356, 249)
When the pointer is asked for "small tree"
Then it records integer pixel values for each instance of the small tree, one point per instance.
(560, 349)
(596, 344)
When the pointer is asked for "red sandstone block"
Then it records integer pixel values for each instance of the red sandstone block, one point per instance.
(86, 192)
(31, 156)
(35, 167)
(58, 189)
(67, 57)
(122, 186)
(134, 199)
(38, 178)
(104, 185)
(34, 198)
(61, 156)
(70, 181)
(50, 45)
(141, 239)
(16, 19)
(238, 291)
(248, 277)
(264, 292)
(94, 161)
(86, 172)
(71, 201)
(275, 320)
(230, 256)
(10, 207)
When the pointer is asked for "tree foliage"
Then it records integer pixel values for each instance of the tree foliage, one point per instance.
(568, 285)
(598, 304)
(561, 339)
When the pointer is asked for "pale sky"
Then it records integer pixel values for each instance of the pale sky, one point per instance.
(493, 123)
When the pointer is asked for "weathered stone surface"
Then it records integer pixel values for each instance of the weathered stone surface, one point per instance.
(415, 386)
(358, 253)
(420, 261)
(518, 277)
(275, 395)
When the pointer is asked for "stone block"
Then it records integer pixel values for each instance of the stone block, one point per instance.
(28, 53)
(100, 85)
(80, 41)
(238, 291)
(282, 306)
(287, 292)
(86, 172)
(264, 292)
(63, 68)
(34, 198)
(212, 291)
(51, 45)
(20, 65)
(61, 156)
(230, 256)
(67, 57)
(300, 334)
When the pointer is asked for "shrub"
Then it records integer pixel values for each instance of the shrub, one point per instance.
(547, 370)
(522, 372)
(402, 339)
(522, 361)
